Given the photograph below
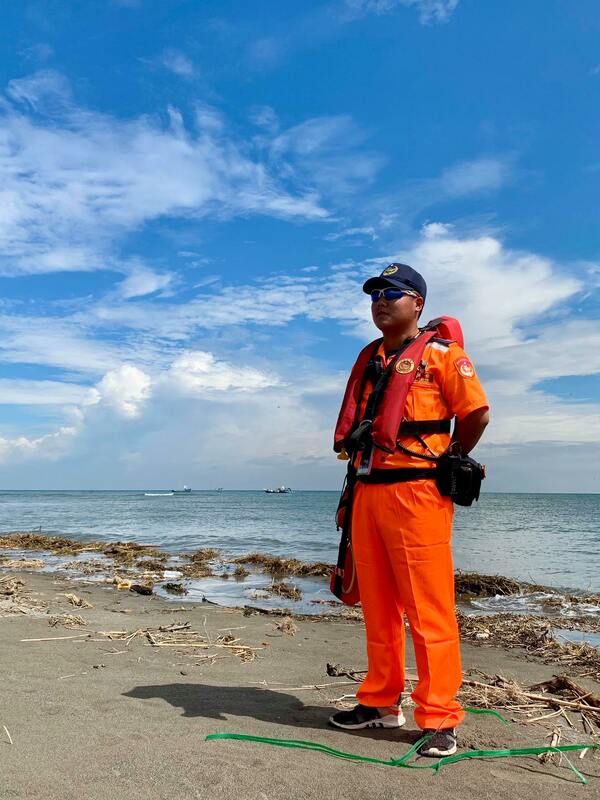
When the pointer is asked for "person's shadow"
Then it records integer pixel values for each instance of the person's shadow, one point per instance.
(221, 702)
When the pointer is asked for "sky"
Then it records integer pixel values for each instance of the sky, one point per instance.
(192, 194)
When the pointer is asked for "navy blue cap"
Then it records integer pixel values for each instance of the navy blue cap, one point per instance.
(400, 276)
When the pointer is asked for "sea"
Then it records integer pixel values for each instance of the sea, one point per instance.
(549, 539)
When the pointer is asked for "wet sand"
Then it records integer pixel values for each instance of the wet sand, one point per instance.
(95, 718)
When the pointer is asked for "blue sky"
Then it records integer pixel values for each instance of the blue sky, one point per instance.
(191, 195)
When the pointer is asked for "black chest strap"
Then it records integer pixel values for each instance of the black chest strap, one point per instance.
(420, 426)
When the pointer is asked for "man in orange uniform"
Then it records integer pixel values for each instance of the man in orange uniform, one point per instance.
(401, 531)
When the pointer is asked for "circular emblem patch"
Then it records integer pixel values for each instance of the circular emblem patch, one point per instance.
(390, 270)
(465, 368)
(405, 365)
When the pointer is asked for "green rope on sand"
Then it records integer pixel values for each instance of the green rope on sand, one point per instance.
(403, 760)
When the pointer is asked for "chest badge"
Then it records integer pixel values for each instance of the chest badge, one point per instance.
(404, 366)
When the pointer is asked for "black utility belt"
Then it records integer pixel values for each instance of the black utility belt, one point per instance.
(400, 475)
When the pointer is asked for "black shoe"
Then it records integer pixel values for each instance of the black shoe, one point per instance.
(438, 743)
(368, 717)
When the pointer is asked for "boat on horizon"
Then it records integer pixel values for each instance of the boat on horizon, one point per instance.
(185, 490)
(279, 490)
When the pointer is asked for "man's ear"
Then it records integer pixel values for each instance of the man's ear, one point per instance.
(419, 303)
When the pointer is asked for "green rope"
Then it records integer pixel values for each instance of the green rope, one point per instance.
(403, 760)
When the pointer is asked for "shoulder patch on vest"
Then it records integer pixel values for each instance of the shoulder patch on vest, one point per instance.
(464, 367)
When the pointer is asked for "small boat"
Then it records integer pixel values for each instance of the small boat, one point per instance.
(185, 490)
(159, 494)
(279, 490)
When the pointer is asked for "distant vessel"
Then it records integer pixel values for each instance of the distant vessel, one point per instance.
(185, 490)
(279, 490)
(159, 494)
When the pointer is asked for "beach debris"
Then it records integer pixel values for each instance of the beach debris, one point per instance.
(10, 586)
(278, 567)
(565, 687)
(85, 567)
(129, 553)
(16, 599)
(240, 572)
(183, 637)
(152, 564)
(174, 588)
(282, 589)
(499, 692)
(80, 602)
(286, 625)
(57, 638)
(535, 635)
(22, 563)
(37, 541)
(140, 588)
(203, 554)
(7, 732)
(475, 585)
(119, 582)
(337, 671)
(548, 757)
(67, 620)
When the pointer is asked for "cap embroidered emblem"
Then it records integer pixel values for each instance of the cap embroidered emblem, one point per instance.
(465, 368)
(391, 270)
(405, 365)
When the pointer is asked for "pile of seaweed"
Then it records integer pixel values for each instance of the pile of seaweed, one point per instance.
(278, 567)
(537, 636)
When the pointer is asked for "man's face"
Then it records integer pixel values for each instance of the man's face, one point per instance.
(396, 316)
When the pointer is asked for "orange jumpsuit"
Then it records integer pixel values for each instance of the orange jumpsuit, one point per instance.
(401, 543)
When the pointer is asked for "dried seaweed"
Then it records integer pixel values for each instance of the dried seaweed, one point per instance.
(475, 585)
(535, 635)
(287, 625)
(240, 572)
(282, 589)
(182, 637)
(80, 602)
(174, 588)
(278, 567)
(501, 693)
(67, 620)
(22, 563)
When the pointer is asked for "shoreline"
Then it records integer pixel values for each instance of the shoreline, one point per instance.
(547, 624)
(142, 681)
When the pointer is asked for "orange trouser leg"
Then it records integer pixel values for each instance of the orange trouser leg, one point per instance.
(381, 608)
(401, 542)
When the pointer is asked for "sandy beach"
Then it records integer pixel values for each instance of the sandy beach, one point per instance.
(117, 710)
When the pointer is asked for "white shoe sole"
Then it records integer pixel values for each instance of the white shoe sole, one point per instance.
(389, 721)
(434, 752)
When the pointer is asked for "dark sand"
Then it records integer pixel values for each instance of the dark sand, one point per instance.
(102, 719)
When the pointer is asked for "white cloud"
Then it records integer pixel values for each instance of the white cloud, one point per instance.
(54, 342)
(200, 374)
(143, 281)
(28, 392)
(471, 177)
(46, 91)
(327, 152)
(125, 390)
(73, 182)
(241, 412)
(429, 10)
(368, 230)
(178, 63)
